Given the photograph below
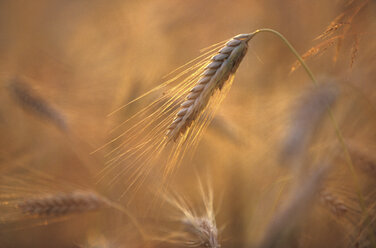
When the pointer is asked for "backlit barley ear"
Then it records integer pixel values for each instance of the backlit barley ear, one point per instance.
(204, 229)
(199, 230)
(62, 204)
(33, 103)
(185, 107)
(215, 74)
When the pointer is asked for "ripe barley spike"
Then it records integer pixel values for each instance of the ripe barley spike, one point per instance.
(215, 74)
(173, 123)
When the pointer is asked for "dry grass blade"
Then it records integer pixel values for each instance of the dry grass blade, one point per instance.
(31, 102)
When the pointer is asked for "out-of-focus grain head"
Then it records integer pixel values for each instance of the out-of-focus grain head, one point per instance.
(346, 26)
(31, 102)
(333, 203)
(297, 204)
(306, 116)
(62, 204)
(30, 195)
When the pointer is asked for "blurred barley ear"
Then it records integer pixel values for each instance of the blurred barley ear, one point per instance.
(354, 50)
(363, 157)
(306, 116)
(59, 204)
(337, 31)
(316, 51)
(298, 203)
(34, 104)
(335, 205)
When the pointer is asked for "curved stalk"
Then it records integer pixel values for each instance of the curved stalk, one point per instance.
(334, 123)
(332, 119)
(292, 49)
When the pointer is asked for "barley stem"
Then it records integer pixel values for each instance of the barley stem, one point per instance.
(330, 112)
(292, 49)
(335, 124)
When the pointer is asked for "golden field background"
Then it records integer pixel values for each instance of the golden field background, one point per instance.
(87, 58)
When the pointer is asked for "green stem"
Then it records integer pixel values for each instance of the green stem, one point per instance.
(337, 130)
